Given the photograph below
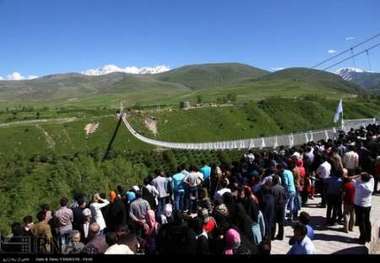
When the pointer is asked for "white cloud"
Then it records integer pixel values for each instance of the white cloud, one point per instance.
(18, 76)
(15, 76)
(277, 69)
(350, 38)
(331, 51)
(107, 69)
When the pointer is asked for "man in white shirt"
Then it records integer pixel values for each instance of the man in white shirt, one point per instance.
(161, 183)
(193, 180)
(364, 187)
(351, 160)
(323, 173)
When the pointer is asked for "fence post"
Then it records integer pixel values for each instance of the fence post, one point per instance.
(262, 143)
(275, 142)
(291, 140)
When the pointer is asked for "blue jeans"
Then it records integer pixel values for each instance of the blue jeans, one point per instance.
(179, 200)
(162, 201)
(63, 240)
(290, 203)
(193, 198)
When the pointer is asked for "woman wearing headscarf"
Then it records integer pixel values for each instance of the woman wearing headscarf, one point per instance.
(150, 232)
(232, 240)
(117, 213)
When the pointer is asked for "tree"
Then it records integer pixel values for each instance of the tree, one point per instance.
(199, 99)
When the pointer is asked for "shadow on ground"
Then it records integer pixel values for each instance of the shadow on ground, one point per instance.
(336, 238)
(318, 222)
(359, 250)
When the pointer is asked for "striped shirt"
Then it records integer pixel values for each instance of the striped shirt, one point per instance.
(65, 218)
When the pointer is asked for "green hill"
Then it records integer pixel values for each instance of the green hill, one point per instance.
(206, 76)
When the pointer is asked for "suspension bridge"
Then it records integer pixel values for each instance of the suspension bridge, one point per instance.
(288, 140)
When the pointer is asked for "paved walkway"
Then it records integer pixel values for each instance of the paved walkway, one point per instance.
(328, 239)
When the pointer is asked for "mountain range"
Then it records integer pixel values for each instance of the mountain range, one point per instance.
(187, 82)
(366, 80)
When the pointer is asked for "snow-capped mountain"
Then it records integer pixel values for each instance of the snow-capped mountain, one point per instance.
(347, 73)
(365, 79)
(107, 69)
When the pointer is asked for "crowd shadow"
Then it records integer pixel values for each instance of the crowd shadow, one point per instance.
(318, 223)
(336, 238)
(359, 250)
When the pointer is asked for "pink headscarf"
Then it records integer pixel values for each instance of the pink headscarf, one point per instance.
(151, 225)
(299, 163)
(232, 241)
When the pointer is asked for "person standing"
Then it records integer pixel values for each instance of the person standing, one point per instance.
(334, 199)
(97, 204)
(206, 171)
(363, 201)
(42, 233)
(117, 212)
(279, 194)
(323, 173)
(160, 182)
(179, 189)
(351, 160)
(65, 219)
(193, 180)
(348, 202)
(287, 179)
(138, 212)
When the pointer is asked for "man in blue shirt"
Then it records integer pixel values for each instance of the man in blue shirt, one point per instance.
(206, 171)
(334, 199)
(287, 180)
(179, 189)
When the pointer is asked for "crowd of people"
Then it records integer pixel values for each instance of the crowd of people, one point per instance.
(235, 209)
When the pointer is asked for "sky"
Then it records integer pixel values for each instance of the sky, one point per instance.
(40, 37)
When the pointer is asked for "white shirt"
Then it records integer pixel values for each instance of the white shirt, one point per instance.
(363, 192)
(351, 160)
(99, 216)
(324, 170)
(154, 192)
(86, 227)
(117, 249)
(219, 194)
(194, 179)
(305, 247)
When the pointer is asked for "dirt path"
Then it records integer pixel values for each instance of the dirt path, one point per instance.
(151, 124)
(50, 141)
(55, 121)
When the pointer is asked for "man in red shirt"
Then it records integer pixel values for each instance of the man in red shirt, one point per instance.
(348, 201)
